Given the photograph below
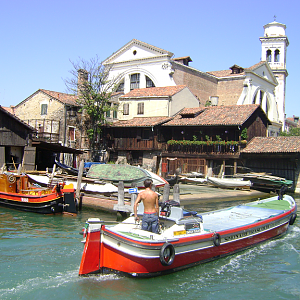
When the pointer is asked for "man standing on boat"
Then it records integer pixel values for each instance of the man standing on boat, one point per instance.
(151, 209)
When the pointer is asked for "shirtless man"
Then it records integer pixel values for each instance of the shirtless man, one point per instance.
(151, 209)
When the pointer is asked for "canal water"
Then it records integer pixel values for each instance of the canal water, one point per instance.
(40, 257)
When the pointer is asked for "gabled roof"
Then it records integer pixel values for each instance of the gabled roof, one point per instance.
(232, 115)
(280, 144)
(4, 110)
(61, 97)
(141, 122)
(154, 92)
(137, 43)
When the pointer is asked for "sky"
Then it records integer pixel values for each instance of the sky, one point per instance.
(39, 39)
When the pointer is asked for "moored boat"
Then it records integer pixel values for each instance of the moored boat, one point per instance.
(229, 182)
(18, 193)
(126, 173)
(266, 182)
(87, 185)
(185, 239)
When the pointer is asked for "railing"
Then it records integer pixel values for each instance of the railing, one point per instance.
(188, 147)
(134, 144)
(48, 137)
(197, 147)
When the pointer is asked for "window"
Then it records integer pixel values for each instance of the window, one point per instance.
(134, 81)
(120, 87)
(126, 109)
(108, 114)
(146, 134)
(269, 56)
(72, 134)
(149, 82)
(140, 110)
(277, 55)
(44, 108)
(115, 112)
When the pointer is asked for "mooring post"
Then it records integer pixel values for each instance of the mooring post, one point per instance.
(121, 201)
(79, 179)
(166, 192)
(176, 192)
(133, 195)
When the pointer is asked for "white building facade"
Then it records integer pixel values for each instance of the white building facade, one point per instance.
(274, 45)
(138, 65)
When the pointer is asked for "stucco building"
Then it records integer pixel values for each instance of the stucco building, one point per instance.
(138, 65)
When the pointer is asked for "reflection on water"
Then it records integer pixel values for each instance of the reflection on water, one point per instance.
(40, 257)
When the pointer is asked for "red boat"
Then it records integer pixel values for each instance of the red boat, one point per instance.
(185, 239)
(17, 192)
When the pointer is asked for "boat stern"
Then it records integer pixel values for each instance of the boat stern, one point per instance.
(90, 260)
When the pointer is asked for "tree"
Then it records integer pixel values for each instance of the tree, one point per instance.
(293, 131)
(90, 81)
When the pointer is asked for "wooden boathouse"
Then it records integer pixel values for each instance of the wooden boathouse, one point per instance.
(200, 139)
(279, 156)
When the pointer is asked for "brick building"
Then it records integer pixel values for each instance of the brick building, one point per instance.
(56, 118)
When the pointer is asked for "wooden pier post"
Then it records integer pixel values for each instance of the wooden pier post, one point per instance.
(121, 207)
(166, 192)
(176, 193)
(133, 195)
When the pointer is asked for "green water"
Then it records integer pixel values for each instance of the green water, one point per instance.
(40, 257)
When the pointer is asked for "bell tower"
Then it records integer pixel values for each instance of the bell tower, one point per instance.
(274, 45)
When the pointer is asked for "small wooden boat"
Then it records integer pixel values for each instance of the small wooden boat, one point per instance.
(17, 192)
(68, 169)
(87, 185)
(235, 183)
(266, 182)
(193, 180)
(126, 173)
(185, 239)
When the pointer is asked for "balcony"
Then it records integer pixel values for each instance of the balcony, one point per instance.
(218, 148)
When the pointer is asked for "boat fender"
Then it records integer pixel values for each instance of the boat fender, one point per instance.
(167, 254)
(292, 219)
(217, 239)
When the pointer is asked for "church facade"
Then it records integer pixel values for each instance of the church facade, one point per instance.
(139, 65)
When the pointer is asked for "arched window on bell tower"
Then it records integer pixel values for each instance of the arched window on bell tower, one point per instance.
(276, 55)
(269, 55)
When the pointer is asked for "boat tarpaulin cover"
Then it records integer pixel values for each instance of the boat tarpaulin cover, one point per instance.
(115, 172)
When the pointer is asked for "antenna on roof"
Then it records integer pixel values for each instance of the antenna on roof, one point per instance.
(275, 18)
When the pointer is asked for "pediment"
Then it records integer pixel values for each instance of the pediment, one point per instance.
(263, 70)
(136, 50)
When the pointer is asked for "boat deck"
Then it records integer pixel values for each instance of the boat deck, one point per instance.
(243, 214)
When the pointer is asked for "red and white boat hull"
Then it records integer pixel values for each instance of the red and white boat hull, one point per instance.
(131, 251)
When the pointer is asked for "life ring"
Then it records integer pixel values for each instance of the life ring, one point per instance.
(167, 254)
(217, 239)
(11, 178)
(292, 219)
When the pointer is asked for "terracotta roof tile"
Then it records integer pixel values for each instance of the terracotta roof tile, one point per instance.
(256, 65)
(141, 122)
(215, 116)
(62, 97)
(155, 92)
(280, 144)
(224, 73)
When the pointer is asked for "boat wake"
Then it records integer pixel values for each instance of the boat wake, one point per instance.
(31, 285)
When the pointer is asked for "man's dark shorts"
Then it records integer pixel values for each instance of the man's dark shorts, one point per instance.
(150, 222)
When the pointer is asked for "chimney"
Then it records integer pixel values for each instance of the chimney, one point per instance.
(83, 76)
